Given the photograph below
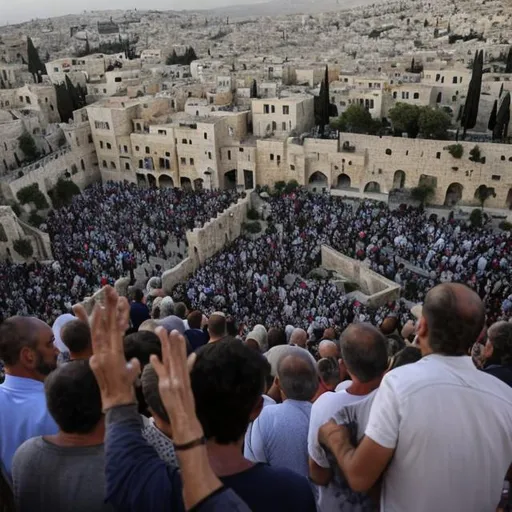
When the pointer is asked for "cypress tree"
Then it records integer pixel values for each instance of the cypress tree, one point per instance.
(492, 118)
(35, 66)
(254, 89)
(73, 94)
(508, 67)
(470, 113)
(64, 103)
(501, 91)
(87, 46)
(326, 103)
(502, 119)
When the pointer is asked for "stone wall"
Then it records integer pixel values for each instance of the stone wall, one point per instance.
(204, 242)
(378, 289)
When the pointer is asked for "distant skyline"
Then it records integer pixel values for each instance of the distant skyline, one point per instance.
(24, 10)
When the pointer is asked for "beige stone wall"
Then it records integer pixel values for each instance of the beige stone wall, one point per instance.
(378, 289)
(204, 242)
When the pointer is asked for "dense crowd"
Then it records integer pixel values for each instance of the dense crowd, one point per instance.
(105, 232)
(251, 278)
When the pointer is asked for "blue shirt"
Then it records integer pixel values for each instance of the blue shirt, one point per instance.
(23, 415)
(279, 436)
(138, 313)
(137, 479)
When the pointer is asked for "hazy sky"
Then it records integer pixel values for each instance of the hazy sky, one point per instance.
(15, 11)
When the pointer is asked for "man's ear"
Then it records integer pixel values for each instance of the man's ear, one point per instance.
(256, 409)
(28, 357)
(422, 328)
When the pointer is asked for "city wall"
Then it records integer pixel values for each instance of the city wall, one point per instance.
(378, 289)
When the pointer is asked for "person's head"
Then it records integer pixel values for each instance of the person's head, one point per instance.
(227, 380)
(327, 348)
(262, 331)
(254, 340)
(329, 334)
(217, 326)
(148, 325)
(231, 327)
(395, 344)
(405, 356)
(195, 319)
(389, 325)
(453, 317)
(73, 398)
(180, 310)
(26, 347)
(166, 307)
(297, 375)
(76, 335)
(172, 323)
(329, 371)
(364, 352)
(299, 337)
(498, 348)
(276, 337)
(138, 295)
(149, 381)
(141, 345)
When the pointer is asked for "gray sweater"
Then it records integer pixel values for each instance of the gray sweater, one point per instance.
(53, 478)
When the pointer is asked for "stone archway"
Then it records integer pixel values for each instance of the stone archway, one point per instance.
(343, 181)
(318, 178)
(372, 187)
(399, 179)
(166, 181)
(230, 179)
(198, 184)
(453, 194)
(151, 180)
(141, 180)
(186, 183)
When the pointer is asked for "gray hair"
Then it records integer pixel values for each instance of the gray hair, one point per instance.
(297, 335)
(500, 337)
(297, 374)
(329, 370)
(166, 307)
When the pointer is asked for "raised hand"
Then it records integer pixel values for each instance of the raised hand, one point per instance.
(114, 375)
(174, 386)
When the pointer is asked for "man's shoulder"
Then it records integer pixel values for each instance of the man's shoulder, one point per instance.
(28, 449)
(282, 478)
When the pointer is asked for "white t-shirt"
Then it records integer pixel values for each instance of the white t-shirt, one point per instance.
(451, 427)
(325, 407)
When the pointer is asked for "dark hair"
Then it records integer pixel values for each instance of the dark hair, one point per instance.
(276, 337)
(142, 344)
(15, 333)
(407, 355)
(500, 337)
(231, 326)
(138, 295)
(73, 397)
(180, 310)
(76, 335)
(297, 373)
(329, 370)
(194, 319)
(455, 317)
(395, 344)
(364, 350)
(217, 325)
(151, 393)
(227, 380)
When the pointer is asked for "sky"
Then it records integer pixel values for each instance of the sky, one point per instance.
(16, 11)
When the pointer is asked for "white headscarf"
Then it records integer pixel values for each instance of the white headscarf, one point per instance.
(59, 323)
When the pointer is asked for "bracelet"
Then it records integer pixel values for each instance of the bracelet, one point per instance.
(191, 444)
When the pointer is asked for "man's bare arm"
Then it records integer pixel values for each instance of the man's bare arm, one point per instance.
(318, 474)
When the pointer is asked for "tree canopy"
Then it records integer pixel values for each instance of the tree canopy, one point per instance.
(356, 119)
(430, 122)
(433, 123)
(35, 66)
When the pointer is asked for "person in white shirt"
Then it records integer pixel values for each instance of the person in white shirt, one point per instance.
(365, 356)
(440, 431)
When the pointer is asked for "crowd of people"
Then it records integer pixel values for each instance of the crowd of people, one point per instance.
(105, 233)
(167, 408)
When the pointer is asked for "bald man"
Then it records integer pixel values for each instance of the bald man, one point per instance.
(29, 355)
(279, 435)
(299, 337)
(425, 415)
(328, 348)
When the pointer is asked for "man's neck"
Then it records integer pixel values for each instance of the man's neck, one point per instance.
(65, 439)
(227, 459)
(20, 371)
(215, 339)
(363, 388)
(80, 356)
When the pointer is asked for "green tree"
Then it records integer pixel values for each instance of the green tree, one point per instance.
(502, 119)
(322, 104)
(254, 89)
(87, 46)
(476, 218)
(423, 193)
(433, 123)
(405, 118)
(470, 113)
(64, 102)
(35, 66)
(456, 150)
(23, 247)
(279, 186)
(75, 94)
(483, 193)
(28, 146)
(291, 186)
(32, 194)
(63, 192)
(492, 118)
(508, 66)
(356, 119)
